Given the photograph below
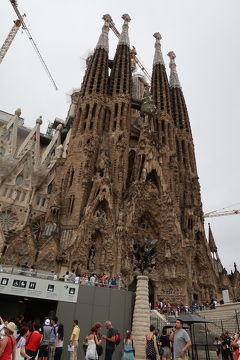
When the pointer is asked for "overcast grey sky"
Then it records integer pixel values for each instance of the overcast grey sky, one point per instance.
(205, 37)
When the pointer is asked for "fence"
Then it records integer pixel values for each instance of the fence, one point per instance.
(230, 324)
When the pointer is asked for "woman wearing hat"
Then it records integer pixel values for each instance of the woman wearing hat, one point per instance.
(8, 344)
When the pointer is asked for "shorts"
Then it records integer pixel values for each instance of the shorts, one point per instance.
(166, 351)
(43, 351)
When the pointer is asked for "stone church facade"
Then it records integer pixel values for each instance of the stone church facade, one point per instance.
(121, 172)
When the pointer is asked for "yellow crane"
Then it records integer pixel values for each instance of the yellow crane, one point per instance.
(13, 32)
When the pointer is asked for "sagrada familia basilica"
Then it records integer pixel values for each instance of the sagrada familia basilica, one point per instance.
(119, 173)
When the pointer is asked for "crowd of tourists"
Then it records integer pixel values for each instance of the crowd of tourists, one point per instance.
(228, 346)
(92, 280)
(170, 309)
(73, 276)
(45, 341)
(25, 340)
(32, 340)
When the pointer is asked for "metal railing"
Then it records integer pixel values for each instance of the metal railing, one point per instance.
(42, 274)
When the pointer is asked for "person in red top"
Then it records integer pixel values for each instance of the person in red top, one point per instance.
(33, 341)
(8, 344)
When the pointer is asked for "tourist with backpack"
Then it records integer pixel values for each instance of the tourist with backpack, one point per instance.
(43, 349)
(8, 343)
(110, 340)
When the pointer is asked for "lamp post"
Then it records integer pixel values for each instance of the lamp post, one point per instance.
(144, 262)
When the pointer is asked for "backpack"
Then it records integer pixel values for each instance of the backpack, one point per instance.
(117, 338)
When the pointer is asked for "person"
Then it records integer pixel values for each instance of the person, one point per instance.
(92, 280)
(43, 349)
(59, 343)
(2, 326)
(181, 341)
(110, 340)
(213, 304)
(19, 322)
(66, 276)
(235, 344)
(217, 343)
(20, 344)
(71, 276)
(8, 343)
(25, 268)
(151, 345)
(113, 283)
(52, 338)
(74, 340)
(227, 341)
(33, 340)
(93, 341)
(128, 349)
(165, 345)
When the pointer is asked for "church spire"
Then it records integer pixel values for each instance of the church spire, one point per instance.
(96, 76)
(211, 241)
(103, 38)
(174, 80)
(121, 74)
(124, 38)
(158, 58)
(179, 108)
(159, 84)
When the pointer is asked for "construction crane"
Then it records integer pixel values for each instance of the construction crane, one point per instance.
(138, 62)
(17, 24)
(9, 39)
(217, 213)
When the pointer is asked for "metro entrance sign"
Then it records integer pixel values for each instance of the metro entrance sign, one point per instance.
(20, 285)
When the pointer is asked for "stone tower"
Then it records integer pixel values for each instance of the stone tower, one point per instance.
(126, 176)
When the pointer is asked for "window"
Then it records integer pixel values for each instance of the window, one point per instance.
(7, 220)
(18, 193)
(9, 194)
(116, 110)
(19, 180)
(49, 188)
(23, 196)
(5, 192)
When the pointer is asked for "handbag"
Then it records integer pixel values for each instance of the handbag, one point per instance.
(70, 348)
(99, 348)
(85, 345)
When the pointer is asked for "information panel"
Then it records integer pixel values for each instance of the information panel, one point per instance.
(28, 286)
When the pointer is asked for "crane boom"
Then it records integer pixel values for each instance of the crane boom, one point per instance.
(139, 63)
(24, 26)
(9, 39)
(221, 213)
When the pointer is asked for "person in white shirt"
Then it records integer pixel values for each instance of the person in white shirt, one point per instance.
(21, 342)
(92, 280)
(2, 325)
